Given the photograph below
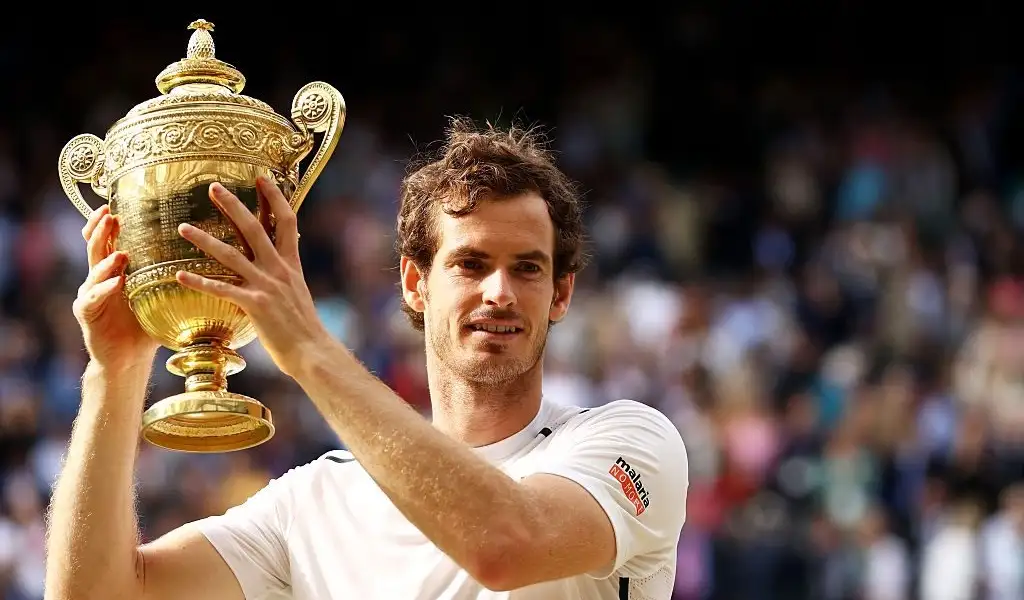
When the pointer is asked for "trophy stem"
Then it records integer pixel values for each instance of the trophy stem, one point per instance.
(206, 417)
(206, 366)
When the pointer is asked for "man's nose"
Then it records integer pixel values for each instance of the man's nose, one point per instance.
(497, 288)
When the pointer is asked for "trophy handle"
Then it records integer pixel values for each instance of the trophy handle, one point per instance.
(81, 161)
(317, 108)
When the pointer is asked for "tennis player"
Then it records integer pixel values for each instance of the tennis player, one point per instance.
(504, 494)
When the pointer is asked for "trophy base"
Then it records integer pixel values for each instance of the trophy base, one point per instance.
(207, 421)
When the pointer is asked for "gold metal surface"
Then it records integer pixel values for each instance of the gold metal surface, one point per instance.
(154, 167)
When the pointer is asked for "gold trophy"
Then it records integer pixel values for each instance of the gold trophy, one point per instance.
(155, 168)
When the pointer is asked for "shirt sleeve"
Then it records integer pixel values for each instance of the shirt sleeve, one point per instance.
(252, 537)
(632, 460)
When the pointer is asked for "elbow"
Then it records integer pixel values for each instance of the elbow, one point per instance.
(494, 573)
(499, 563)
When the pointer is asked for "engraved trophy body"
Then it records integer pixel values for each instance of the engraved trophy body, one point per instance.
(154, 168)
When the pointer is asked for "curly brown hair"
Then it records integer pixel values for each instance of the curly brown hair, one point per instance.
(486, 163)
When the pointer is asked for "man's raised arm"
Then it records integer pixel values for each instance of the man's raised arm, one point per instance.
(92, 545)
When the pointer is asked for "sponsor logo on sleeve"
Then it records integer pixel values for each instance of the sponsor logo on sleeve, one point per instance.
(632, 485)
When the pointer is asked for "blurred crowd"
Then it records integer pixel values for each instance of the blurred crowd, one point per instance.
(835, 323)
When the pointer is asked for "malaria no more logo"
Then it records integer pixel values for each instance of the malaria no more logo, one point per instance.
(632, 485)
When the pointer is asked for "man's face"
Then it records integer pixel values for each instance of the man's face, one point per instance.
(490, 292)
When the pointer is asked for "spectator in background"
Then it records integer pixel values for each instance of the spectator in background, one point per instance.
(951, 559)
(886, 561)
(1002, 546)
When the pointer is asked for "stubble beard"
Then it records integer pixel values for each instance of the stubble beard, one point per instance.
(498, 368)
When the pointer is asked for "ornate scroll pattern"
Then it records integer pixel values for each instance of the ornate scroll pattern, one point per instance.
(173, 139)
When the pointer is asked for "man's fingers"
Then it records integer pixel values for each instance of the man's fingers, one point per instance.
(88, 304)
(286, 231)
(215, 287)
(245, 222)
(104, 289)
(94, 220)
(107, 268)
(98, 246)
(225, 254)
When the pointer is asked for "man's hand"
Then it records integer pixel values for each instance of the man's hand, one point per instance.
(274, 293)
(112, 336)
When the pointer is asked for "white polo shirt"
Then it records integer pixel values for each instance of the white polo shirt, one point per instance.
(325, 530)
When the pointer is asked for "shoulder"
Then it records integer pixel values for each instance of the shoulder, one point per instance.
(625, 432)
(627, 417)
(625, 408)
(328, 467)
(293, 491)
(631, 458)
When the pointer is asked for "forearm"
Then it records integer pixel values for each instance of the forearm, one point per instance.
(93, 532)
(462, 503)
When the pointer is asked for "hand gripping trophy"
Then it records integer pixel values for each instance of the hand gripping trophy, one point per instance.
(154, 168)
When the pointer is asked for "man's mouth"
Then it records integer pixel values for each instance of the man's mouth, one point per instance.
(502, 329)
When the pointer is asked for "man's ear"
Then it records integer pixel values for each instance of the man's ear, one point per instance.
(413, 282)
(564, 287)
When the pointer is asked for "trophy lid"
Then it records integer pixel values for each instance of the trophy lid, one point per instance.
(199, 77)
(200, 64)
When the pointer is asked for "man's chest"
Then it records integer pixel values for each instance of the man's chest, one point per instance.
(401, 568)
(351, 541)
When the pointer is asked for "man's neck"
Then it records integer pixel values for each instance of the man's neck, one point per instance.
(479, 414)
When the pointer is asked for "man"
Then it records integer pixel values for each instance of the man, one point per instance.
(504, 495)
